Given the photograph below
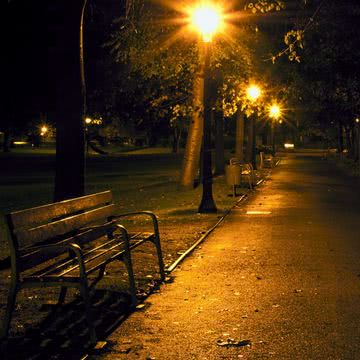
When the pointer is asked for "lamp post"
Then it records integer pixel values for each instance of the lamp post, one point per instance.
(253, 93)
(357, 123)
(274, 114)
(206, 20)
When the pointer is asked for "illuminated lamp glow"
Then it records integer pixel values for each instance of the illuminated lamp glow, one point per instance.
(207, 20)
(253, 92)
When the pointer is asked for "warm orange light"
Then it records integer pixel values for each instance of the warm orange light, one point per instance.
(88, 120)
(44, 129)
(253, 92)
(206, 19)
(274, 111)
(357, 120)
(289, 146)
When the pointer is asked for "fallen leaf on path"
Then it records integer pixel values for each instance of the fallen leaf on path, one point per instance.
(233, 343)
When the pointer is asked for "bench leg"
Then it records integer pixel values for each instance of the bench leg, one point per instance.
(84, 290)
(98, 278)
(62, 295)
(128, 264)
(250, 182)
(159, 255)
(158, 248)
(9, 310)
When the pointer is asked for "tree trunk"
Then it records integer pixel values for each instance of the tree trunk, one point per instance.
(219, 142)
(70, 139)
(239, 145)
(194, 139)
(7, 138)
(176, 140)
(340, 138)
(348, 141)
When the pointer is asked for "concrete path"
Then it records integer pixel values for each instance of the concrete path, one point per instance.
(283, 271)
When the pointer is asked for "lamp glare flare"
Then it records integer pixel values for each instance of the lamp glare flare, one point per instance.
(274, 111)
(253, 92)
(206, 19)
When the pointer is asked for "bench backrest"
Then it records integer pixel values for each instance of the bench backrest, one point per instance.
(59, 222)
(244, 166)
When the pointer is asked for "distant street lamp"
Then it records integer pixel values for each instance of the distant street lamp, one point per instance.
(274, 114)
(253, 93)
(206, 19)
(43, 130)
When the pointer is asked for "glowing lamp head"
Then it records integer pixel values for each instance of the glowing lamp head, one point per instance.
(357, 120)
(88, 120)
(206, 19)
(274, 111)
(253, 92)
(44, 129)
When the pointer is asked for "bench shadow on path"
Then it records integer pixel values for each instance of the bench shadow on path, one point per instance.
(63, 334)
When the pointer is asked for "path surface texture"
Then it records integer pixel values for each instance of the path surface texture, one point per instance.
(282, 271)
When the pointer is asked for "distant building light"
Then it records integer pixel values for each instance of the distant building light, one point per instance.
(20, 142)
(289, 146)
(88, 120)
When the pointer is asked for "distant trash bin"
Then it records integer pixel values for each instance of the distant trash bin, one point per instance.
(236, 173)
(233, 175)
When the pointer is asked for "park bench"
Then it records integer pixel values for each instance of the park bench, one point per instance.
(237, 173)
(266, 160)
(68, 244)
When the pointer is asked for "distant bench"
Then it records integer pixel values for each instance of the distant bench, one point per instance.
(61, 244)
(266, 160)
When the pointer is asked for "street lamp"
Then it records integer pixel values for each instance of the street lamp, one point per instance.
(206, 20)
(253, 93)
(274, 114)
(357, 123)
(43, 130)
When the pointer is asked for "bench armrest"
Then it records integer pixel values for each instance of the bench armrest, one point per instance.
(145, 213)
(69, 246)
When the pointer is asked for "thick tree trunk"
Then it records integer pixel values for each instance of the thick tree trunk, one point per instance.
(194, 139)
(219, 143)
(70, 140)
(239, 145)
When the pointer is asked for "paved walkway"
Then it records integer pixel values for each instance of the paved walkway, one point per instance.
(283, 271)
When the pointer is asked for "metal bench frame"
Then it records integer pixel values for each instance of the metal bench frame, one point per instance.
(61, 244)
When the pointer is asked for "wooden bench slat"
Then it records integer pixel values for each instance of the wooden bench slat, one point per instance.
(30, 259)
(62, 227)
(44, 213)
